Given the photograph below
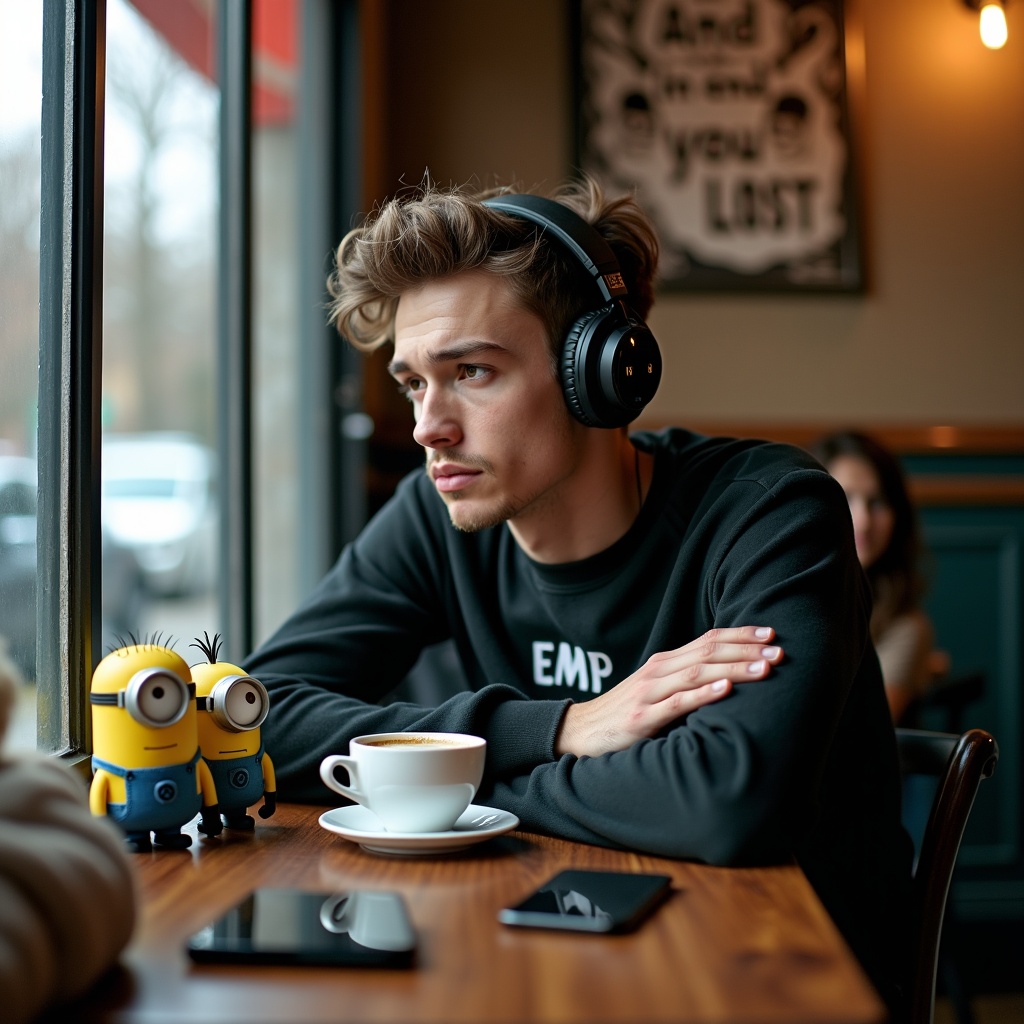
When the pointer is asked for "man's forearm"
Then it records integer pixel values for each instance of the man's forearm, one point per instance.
(306, 723)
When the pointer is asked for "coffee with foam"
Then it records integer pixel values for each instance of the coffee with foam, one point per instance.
(412, 781)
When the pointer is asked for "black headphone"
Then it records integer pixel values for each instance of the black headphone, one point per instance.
(611, 365)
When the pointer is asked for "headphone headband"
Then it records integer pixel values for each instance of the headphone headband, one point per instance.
(610, 365)
(581, 238)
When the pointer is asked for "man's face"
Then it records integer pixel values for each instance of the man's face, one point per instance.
(489, 410)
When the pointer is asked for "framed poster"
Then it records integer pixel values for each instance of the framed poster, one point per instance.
(728, 119)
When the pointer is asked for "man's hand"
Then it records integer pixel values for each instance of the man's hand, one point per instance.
(668, 686)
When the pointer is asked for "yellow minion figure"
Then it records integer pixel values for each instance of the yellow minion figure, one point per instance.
(232, 706)
(149, 776)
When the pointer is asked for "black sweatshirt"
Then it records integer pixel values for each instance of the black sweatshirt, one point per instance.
(733, 533)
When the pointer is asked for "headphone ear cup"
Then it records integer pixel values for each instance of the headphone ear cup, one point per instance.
(573, 368)
(611, 367)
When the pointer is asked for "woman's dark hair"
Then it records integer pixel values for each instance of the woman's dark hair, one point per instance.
(895, 576)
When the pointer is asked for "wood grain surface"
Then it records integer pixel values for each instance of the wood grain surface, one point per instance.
(729, 945)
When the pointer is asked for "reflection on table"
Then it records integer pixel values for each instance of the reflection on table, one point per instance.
(751, 944)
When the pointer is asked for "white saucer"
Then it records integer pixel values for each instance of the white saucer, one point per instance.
(362, 826)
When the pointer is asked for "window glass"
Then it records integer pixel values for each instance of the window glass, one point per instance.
(275, 362)
(21, 47)
(159, 494)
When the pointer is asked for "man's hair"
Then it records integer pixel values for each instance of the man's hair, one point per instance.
(431, 233)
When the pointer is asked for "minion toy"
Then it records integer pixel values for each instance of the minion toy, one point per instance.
(148, 773)
(232, 706)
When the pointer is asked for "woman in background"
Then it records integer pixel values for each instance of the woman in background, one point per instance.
(888, 547)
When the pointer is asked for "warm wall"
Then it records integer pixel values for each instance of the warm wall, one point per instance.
(483, 90)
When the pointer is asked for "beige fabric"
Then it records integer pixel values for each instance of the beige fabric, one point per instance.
(904, 649)
(67, 895)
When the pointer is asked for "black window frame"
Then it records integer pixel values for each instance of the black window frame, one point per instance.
(70, 332)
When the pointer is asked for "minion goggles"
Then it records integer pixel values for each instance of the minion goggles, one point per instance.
(237, 703)
(154, 697)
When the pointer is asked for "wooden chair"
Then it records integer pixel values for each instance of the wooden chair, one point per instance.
(943, 705)
(959, 763)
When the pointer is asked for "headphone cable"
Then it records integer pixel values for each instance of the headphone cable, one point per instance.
(639, 486)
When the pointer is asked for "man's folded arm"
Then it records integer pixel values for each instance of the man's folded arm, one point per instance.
(737, 780)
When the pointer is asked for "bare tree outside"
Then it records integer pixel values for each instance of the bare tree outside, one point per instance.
(19, 291)
(20, 117)
(159, 300)
(159, 323)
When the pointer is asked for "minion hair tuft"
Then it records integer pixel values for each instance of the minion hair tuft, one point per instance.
(211, 648)
(157, 639)
(121, 644)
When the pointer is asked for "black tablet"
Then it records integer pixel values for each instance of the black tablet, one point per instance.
(359, 928)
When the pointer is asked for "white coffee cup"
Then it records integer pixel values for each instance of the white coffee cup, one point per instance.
(412, 781)
(373, 919)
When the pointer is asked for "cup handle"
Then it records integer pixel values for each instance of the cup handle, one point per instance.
(336, 910)
(327, 766)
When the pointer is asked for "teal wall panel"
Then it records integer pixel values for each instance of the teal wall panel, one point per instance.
(975, 599)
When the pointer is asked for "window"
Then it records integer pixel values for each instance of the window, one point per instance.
(217, 406)
(21, 58)
(158, 408)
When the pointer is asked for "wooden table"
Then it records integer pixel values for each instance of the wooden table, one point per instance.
(732, 945)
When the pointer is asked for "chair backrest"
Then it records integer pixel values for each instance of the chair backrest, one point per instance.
(959, 763)
(944, 704)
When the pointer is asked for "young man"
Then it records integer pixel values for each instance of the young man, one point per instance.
(665, 635)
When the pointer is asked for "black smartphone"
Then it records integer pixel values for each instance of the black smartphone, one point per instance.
(359, 928)
(590, 901)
